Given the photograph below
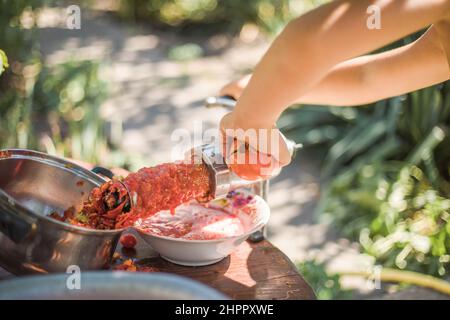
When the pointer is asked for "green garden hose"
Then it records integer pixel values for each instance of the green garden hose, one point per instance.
(410, 277)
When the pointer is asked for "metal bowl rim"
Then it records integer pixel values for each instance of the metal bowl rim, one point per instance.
(127, 276)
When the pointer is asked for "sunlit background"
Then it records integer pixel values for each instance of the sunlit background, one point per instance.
(370, 187)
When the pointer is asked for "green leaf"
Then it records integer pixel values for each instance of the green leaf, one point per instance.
(188, 51)
(358, 140)
(426, 146)
(3, 61)
(326, 286)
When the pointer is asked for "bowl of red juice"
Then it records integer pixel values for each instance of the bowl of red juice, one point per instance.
(199, 234)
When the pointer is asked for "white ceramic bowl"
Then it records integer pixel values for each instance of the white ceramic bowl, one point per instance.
(205, 252)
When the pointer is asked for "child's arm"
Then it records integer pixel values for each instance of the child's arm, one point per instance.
(310, 46)
(366, 79)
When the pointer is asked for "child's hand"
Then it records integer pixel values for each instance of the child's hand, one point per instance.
(235, 88)
(253, 156)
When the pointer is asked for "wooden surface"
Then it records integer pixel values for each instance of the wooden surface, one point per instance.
(253, 271)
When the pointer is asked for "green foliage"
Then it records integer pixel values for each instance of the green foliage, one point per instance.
(326, 286)
(395, 213)
(55, 109)
(185, 52)
(270, 15)
(59, 111)
(3, 61)
(70, 95)
(17, 83)
(387, 170)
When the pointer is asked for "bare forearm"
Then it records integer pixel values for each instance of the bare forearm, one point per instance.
(345, 85)
(302, 56)
(374, 77)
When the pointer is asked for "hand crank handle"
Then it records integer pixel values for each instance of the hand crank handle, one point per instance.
(227, 102)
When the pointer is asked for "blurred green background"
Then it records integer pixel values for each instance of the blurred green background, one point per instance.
(386, 167)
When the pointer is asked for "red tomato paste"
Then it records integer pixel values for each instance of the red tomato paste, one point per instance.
(117, 204)
(193, 222)
(164, 187)
(227, 217)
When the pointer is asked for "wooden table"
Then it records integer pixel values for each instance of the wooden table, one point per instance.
(253, 271)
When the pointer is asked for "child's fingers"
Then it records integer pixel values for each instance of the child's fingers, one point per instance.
(235, 88)
(232, 89)
(266, 140)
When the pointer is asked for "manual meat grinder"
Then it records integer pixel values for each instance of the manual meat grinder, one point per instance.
(222, 178)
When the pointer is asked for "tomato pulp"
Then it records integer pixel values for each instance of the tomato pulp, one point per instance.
(194, 222)
(118, 204)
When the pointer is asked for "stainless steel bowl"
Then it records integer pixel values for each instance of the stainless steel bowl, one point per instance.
(32, 185)
(108, 285)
